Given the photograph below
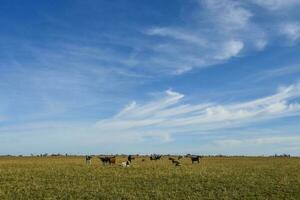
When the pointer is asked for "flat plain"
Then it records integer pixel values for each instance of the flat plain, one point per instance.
(213, 178)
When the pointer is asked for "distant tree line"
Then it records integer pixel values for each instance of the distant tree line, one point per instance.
(125, 155)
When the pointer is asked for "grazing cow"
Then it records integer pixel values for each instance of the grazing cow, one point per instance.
(143, 160)
(112, 160)
(179, 157)
(155, 157)
(108, 160)
(88, 160)
(130, 158)
(104, 160)
(195, 159)
(125, 163)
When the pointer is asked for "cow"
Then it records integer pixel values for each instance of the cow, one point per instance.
(155, 157)
(195, 159)
(125, 163)
(88, 159)
(108, 160)
(112, 160)
(130, 158)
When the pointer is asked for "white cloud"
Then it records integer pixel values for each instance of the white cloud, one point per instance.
(278, 72)
(160, 120)
(182, 52)
(291, 31)
(277, 4)
(176, 34)
(210, 33)
(229, 15)
(260, 44)
(63, 79)
(230, 49)
(262, 141)
(258, 145)
(169, 115)
(219, 32)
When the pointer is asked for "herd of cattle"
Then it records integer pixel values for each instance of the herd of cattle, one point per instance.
(110, 160)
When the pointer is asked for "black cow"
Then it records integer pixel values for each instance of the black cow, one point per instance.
(130, 158)
(196, 159)
(155, 157)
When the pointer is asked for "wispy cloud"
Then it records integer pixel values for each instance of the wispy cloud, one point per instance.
(64, 75)
(176, 34)
(213, 32)
(277, 4)
(170, 116)
(259, 145)
(163, 120)
(291, 31)
(204, 44)
(276, 72)
(62, 78)
(220, 31)
(230, 15)
(271, 140)
(230, 49)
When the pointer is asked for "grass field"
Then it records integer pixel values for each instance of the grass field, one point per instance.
(213, 178)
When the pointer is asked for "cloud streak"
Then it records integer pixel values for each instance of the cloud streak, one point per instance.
(163, 120)
(277, 4)
(291, 31)
(203, 44)
(220, 30)
(169, 115)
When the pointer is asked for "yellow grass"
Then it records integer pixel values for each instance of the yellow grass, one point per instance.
(213, 178)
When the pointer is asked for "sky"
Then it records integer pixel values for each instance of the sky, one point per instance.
(140, 76)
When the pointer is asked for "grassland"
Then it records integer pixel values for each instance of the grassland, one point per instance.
(213, 178)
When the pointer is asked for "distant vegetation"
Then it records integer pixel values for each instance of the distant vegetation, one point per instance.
(69, 177)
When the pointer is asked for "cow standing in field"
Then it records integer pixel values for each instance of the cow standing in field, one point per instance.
(130, 158)
(88, 160)
(195, 159)
(125, 163)
(112, 160)
(108, 160)
(155, 157)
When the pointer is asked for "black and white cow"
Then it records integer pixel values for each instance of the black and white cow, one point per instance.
(88, 159)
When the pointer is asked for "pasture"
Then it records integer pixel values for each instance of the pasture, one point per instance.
(213, 178)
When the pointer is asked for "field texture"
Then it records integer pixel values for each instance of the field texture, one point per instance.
(213, 178)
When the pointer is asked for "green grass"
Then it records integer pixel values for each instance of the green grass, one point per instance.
(213, 178)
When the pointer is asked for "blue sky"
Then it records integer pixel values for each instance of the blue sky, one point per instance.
(180, 76)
